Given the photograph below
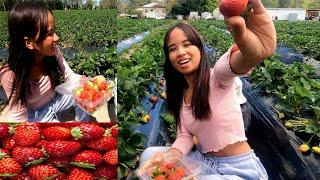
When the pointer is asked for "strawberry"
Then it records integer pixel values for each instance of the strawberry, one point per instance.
(78, 173)
(87, 132)
(21, 176)
(60, 148)
(87, 159)
(9, 167)
(114, 131)
(9, 143)
(57, 133)
(174, 176)
(59, 161)
(111, 157)
(61, 176)
(30, 126)
(26, 136)
(41, 172)
(103, 144)
(106, 171)
(232, 7)
(4, 130)
(180, 170)
(27, 155)
(160, 177)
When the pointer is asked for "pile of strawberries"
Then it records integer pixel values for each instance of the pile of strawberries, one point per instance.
(93, 92)
(168, 171)
(72, 151)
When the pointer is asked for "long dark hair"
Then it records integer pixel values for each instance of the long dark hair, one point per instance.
(26, 19)
(176, 83)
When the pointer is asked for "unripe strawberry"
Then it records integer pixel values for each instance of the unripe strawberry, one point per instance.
(232, 7)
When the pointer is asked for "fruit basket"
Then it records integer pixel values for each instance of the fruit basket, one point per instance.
(183, 168)
(89, 93)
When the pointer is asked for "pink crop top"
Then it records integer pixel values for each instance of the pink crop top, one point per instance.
(225, 125)
(41, 91)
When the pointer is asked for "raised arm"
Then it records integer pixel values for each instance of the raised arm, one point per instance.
(255, 38)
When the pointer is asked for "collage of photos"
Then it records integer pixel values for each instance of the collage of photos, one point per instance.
(159, 90)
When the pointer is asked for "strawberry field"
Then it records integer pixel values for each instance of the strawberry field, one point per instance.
(285, 97)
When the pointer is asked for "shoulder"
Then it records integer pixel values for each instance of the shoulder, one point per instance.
(6, 72)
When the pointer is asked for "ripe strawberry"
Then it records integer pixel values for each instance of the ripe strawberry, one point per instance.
(28, 155)
(59, 161)
(232, 7)
(87, 159)
(87, 132)
(21, 176)
(30, 126)
(4, 130)
(106, 171)
(78, 173)
(103, 86)
(57, 133)
(103, 144)
(180, 170)
(27, 136)
(60, 148)
(174, 176)
(160, 177)
(114, 131)
(111, 157)
(9, 143)
(41, 172)
(9, 166)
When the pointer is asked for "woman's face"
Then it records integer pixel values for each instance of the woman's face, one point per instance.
(47, 46)
(184, 56)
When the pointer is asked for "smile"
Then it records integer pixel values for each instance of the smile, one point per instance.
(184, 61)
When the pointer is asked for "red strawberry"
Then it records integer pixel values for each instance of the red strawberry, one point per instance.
(57, 133)
(87, 132)
(59, 161)
(4, 130)
(232, 7)
(78, 173)
(41, 172)
(114, 131)
(111, 157)
(87, 159)
(103, 144)
(160, 177)
(174, 176)
(10, 167)
(27, 136)
(9, 143)
(106, 171)
(180, 170)
(60, 148)
(28, 155)
(21, 176)
(30, 126)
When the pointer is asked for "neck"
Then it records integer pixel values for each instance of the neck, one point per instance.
(190, 79)
(37, 59)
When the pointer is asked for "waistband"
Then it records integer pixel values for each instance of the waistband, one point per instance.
(232, 159)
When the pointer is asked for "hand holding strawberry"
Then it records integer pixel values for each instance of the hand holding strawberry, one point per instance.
(256, 37)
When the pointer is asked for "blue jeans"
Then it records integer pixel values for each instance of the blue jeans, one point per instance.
(48, 112)
(246, 166)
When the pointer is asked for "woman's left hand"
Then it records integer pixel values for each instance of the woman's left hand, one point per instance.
(256, 38)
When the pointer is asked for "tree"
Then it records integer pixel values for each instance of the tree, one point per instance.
(210, 5)
(109, 4)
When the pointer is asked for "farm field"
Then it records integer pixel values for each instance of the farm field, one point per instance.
(284, 97)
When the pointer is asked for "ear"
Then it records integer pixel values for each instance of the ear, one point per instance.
(28, 43)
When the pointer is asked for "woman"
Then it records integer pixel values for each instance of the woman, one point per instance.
(204, 101)
(35, 66)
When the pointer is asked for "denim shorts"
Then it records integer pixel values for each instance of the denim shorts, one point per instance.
(246, 166)
(48, 112)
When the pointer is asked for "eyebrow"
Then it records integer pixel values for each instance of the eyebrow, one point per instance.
(182, 42)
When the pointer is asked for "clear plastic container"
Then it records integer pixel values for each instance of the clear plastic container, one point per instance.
(89, 93)
(192, 169)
